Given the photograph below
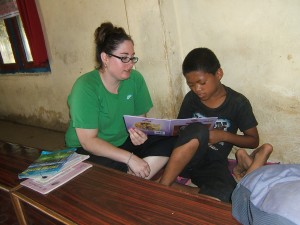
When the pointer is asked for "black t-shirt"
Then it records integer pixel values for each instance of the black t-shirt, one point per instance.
(234, 113)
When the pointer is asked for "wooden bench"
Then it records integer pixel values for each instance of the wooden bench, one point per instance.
(14, 159)
(104, 196)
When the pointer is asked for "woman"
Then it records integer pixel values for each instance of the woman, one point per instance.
(100, 98)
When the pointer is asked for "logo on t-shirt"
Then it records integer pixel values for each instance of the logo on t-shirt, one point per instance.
(221, 124)
(129, 97)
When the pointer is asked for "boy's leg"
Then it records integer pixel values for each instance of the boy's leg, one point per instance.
(246, 164)
(260, 157)
(180, 157)
(214, 179)
(189, 149)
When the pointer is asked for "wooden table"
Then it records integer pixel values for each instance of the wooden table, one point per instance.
(14, 159)
(104, 196)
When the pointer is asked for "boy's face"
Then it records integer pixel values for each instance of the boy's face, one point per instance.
(203, 84)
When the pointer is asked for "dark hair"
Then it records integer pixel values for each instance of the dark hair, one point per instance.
(107, 38)
(201, 59)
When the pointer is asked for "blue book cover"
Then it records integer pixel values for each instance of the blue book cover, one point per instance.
(49, 163)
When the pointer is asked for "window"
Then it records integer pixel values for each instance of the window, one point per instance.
(16, 53)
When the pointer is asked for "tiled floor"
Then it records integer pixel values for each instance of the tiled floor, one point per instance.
(31, 136)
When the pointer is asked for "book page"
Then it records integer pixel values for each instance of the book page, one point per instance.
(165, 127)
(178, 124)
(150, 126)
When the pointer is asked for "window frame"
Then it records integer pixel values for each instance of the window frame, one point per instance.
(21, 64)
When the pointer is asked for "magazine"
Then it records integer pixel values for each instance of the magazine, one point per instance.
(59, 180)
(73, 160)
(49, 163)
(164, 127)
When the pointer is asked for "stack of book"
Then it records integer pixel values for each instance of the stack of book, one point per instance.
(54, 168)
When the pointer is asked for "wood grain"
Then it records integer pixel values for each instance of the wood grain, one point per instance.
(104, 196)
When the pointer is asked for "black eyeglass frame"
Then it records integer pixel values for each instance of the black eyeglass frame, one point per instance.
(125, 59)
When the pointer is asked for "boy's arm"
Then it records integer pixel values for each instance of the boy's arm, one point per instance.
(249, 139)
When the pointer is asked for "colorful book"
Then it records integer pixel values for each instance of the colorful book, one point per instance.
(165, 127)
(49, 163)
(59, 180)
(73, 160)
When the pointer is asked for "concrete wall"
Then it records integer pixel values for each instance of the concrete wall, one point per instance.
(257, 43)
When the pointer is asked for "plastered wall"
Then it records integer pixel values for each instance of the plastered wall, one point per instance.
(257, 43)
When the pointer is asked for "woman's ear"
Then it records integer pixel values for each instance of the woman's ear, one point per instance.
(104, 57)
(219, 73)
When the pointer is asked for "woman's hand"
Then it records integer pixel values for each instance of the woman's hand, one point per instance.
(137, 136)
(138, 167)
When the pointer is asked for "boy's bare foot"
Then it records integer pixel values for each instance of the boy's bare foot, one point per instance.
(243, 163)
(238, 173)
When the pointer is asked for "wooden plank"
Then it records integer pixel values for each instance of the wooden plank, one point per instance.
(104, 196)
(14, 159)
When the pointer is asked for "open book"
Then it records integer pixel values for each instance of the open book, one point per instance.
(164, 127)
(48, 163)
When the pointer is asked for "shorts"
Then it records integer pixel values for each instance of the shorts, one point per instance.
(214, 179)
(194, 131)
(153, 146)
(207, 169)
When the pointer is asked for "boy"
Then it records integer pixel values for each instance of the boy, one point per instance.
(210, 98)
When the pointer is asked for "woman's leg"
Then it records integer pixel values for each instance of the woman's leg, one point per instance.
(156, 163)
(156, 152)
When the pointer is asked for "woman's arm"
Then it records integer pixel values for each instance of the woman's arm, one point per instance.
(91, 143)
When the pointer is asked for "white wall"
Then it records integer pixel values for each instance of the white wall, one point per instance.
(256, 42)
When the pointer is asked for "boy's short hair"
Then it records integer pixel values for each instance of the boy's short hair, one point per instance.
(201, 59)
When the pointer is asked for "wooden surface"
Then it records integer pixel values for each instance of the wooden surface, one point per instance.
(101, 196)
(13, 160)
(104, 196)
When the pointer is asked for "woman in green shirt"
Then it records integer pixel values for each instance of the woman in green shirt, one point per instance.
(100, 98)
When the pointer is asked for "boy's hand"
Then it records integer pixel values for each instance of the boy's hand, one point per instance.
(137, 136)
(216, 136)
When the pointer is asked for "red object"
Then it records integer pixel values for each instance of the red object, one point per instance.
(33, 30)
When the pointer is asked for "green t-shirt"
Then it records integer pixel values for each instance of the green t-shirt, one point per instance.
(93, 107)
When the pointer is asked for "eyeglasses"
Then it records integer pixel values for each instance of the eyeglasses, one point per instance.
(125, 59)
